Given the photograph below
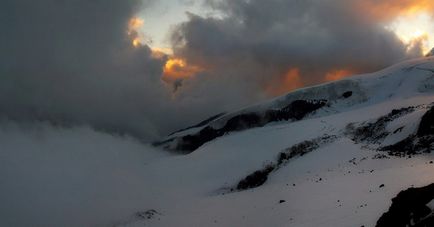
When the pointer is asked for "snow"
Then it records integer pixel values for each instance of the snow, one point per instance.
(401, 81)
(80, 177)
(309, 203)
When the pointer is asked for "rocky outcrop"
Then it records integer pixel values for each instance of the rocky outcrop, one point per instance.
(420, 142)
(375, 132)
(295, 111)
(200, 124)
(259, 177)
(409, 208)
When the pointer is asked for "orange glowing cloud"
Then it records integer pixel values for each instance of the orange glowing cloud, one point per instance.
(136, 42)
(411, 20)
(414, 30)
(134, 25)
(388, 10)
(337, 74)
(177, 68)
(289, 81)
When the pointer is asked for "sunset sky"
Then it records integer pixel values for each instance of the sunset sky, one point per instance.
(153, 66)
(410, 21)
(413, 22)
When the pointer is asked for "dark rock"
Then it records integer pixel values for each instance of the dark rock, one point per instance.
(259, 177)
(409, 209)
(296, 110)
(255, 179)
(304, 147)
(380, 156)
(200, 124)
(402, 147)
(298, 149)
(243, 121)
(192, 142)
(375, 132)
(426, 126)
(148, 214)
(282, 201)
(398, 130)
(160, 143)
(347, 94)
(411, 145)
(421, 142)
(382, 185)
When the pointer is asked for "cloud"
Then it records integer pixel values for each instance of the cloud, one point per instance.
(261, 41)
(386, 9)
(73, 62)
(72, 177)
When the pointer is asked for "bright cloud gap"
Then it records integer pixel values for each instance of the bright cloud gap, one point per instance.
(415, 28)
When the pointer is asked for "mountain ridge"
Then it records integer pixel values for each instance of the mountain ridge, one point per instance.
(352, 92)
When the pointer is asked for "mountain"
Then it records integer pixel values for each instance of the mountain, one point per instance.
(406, 80)
(328, 155)
(354, 152)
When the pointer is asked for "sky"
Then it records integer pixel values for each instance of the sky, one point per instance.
(163, 15)
(145, 67)
(410, 21)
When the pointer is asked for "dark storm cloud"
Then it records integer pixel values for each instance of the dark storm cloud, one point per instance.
(260, 40)
(72, 61)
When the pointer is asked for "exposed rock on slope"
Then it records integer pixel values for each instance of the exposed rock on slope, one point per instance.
(259, 177)
(420, 142)
(426, 126)
(296, 110)
(409, 208)
(375, 132)
(200, 124)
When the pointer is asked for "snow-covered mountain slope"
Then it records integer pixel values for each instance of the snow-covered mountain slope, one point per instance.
(402, 81)
(334, 166)
(329, 155)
